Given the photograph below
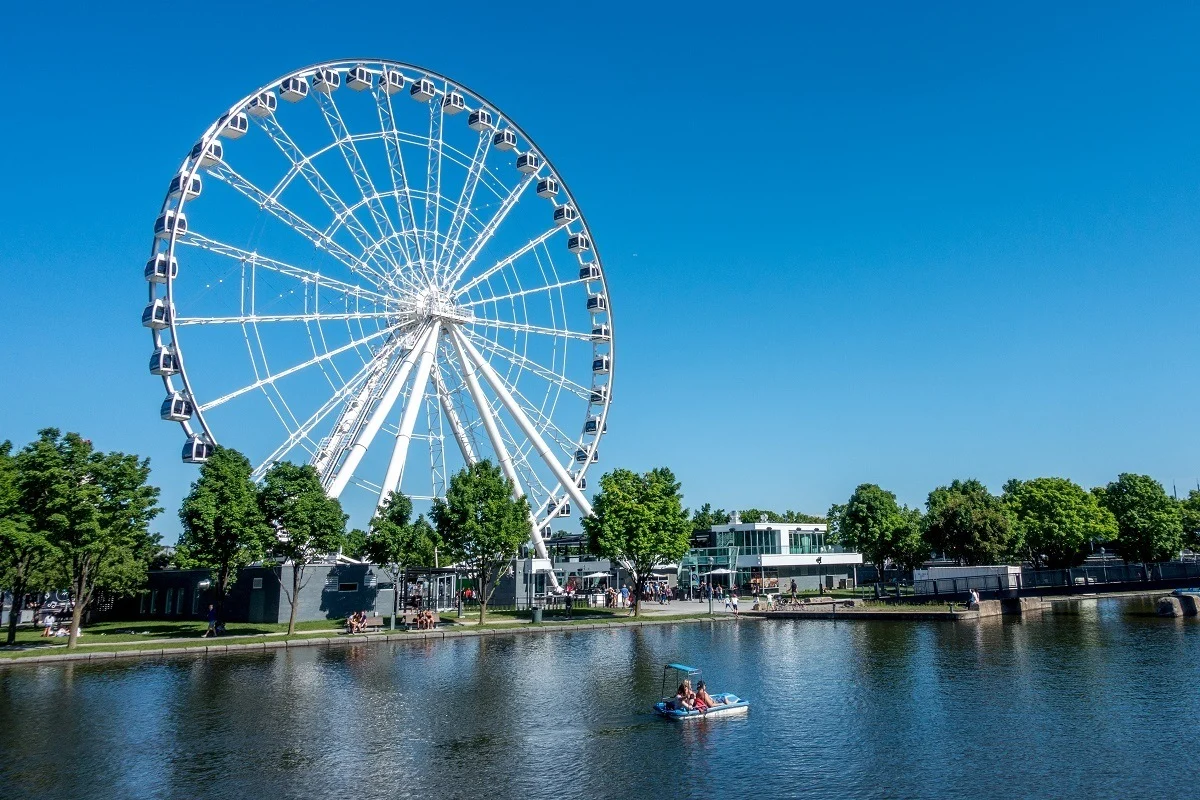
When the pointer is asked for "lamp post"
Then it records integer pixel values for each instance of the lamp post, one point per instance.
(710, 569)
(820, 577)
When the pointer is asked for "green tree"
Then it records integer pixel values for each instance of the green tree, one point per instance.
(1190, 513)
(1057, 519)
(1149, 522)
(873, 523)
(94, 509)
(355, 545)
(705, 517)
(24, 552)
(397, 542)
(482, 525)
(223, 526)
(639, 522)
(966, 522)
(308, 523)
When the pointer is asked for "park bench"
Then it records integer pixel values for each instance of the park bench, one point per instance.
(371, 623)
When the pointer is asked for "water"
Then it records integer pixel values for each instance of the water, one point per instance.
(1096, 702)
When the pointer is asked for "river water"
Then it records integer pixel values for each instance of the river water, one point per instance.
(1095, 700)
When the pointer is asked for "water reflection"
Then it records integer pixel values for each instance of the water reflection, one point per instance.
(1055, 706)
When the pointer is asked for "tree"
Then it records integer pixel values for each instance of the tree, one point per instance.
(639, 522)
(705, 517)
(1190, 512)
(789, 516)
(308, 523)
(966, 522)
(223, 526)
(871, 522)
(94, 510)
(396, 542)
(1149, 522)
(356, 543)
(482, 525)
(24, 552)
(1057, 519)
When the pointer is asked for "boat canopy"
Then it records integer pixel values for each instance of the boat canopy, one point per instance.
(682, 667)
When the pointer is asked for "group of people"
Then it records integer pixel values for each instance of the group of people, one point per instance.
(357, 622)
(694, 700)
(426, 620)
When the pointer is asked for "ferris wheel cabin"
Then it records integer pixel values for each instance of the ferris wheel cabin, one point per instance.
(601, 365)
(547, 187)
(582, 456)
(565, 214)
(196, 450)
(453, 103)
(601, 333)
(592, 427)
(358, 78)
(157, 315)
(589, 272)
(597, 303)
(176, 408)
(163, 362)
(529, 163)
(262, 105)
(599, 395)
(235, 126)
(422, 90)
(169, 222)
(391, 81)
(293, 89)
(326, 80)
(505, 140)
(480, 120)
(209, 154)
(579, 243)
(185, 187)
(159, 269)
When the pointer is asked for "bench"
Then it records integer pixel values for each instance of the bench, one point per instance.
(371, 623)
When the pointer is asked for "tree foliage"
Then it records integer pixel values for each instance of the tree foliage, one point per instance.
(705, 517)
(1149, 522)
(94, 509)
(965, 521)
(1190, 513)
(396, 542)
(482, 525)
(789, 516)
(873, 523)
(25, 553)
(308, 523)
(639, 522)
(1057, 519)
(223, 526)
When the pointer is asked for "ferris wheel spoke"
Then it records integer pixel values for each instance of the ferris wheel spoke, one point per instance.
(313, 177)
(270, 380)
(358, 169)
(527, 363)
(452, 418)
(400, 185)
(433, 183)
(520, 293)
(257, 319)
(527, 427)
(193, 239)
(507, 260)
(408, 418)
(305, 429)
(465, 198)
(484, 322)
(489, 229)
(231, 177)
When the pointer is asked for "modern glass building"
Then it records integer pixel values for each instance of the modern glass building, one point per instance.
(757, 555)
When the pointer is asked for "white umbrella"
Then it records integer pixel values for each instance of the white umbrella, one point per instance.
(596, 575)
(719, 571)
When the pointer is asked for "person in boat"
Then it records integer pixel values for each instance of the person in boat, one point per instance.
(704, 700)
(685, 698)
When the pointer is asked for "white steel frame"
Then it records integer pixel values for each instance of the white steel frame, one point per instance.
(430, 319)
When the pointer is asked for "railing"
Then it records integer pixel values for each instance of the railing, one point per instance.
(1074, 577)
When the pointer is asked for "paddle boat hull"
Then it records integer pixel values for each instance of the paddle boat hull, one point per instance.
(732, 705)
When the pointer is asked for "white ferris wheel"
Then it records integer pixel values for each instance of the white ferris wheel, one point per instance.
(370, 267)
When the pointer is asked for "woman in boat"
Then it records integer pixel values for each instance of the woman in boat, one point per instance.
(685, 698)
(704, 700)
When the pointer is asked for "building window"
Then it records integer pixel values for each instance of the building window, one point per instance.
(257, 583)
(347, 587)
(142, 603)
(195, 600)
(167, 602)
(154, 601)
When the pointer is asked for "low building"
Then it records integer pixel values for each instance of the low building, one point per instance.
(753, 556)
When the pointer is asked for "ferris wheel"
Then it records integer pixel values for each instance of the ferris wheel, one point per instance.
(368, 266)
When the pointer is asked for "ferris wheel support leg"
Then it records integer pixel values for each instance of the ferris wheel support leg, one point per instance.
(359, 448)
(518, 414)
(460, 433)
(493, 432)
(408, 419)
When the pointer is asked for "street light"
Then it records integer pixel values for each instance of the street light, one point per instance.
(710, 569)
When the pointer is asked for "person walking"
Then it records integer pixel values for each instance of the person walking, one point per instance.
(733, 600)
(212, 621)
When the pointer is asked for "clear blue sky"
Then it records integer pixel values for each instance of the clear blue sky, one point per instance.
(845, 243)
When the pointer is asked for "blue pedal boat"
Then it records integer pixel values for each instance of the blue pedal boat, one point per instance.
(728, 704)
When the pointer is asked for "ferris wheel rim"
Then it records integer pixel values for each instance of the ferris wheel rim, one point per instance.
(191, 167)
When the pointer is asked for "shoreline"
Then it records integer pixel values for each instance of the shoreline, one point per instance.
(337, 639)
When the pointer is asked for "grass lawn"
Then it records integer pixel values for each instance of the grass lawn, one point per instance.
(149, 630)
